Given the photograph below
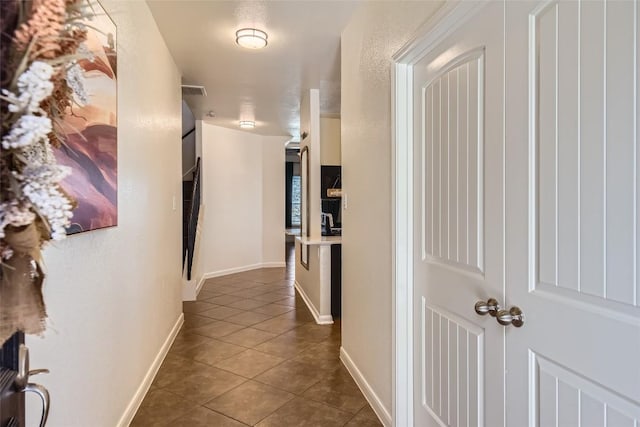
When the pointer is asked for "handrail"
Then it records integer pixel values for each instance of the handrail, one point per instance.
(194, 212)
(188, 133)
(189, 171)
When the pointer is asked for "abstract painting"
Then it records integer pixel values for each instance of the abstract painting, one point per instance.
(91, 147)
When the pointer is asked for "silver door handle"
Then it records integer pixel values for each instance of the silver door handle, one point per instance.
(24, 386)
(514, 316)
(44, 396)
(491, 306)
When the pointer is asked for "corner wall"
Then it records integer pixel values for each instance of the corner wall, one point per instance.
(374, 33)
(113, 295)
(242, 222)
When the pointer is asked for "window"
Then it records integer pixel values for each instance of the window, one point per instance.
(295, 200)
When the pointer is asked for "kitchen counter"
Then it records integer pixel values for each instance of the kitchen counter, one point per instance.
(322, 241)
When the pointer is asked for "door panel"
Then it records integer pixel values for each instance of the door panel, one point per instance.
(458, 222)
(452, 165)
(572, 213)
(452, 382)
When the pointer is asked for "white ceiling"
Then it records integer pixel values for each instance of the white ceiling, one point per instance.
(263, 85)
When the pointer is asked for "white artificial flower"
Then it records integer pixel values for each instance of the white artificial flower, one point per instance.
(15, 213)
(39, 185)
(34, 86)
(29, 129)
(38, 154)
(75, 80)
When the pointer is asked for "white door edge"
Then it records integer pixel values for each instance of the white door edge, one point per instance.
(453, 14)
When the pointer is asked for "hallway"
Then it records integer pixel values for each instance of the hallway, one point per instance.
(250, 353)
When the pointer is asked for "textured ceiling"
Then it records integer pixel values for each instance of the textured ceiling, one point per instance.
(262, 85)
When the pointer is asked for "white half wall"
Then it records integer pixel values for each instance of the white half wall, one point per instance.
(243, 202)
(374, 33)
(114, 295)
(310, 123)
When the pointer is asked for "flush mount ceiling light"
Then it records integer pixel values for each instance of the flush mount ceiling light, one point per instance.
(247, 124)
(251, 38)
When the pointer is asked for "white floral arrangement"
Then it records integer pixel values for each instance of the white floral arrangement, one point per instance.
(41, 82)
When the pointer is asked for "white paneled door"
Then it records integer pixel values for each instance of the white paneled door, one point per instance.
(572, 213)
(459, 226)
(526, 190)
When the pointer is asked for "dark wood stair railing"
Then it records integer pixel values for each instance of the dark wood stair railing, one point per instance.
(191, 226)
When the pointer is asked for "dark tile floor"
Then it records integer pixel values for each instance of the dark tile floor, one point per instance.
(249, 353)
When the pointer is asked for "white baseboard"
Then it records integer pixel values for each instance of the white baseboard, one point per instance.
(234, 270)
(138, 397)
(365, 388)
(320, 319)
(275, 264)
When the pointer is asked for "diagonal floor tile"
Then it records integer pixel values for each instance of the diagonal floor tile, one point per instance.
(294, 377)
(247, 304)
(224, 299)
(249, 293)
(269, 297)
(203, 417)
(287, 355)
(160, 406)
(249, 363)
(217, 329)
(187, 339)
(305, 413)
(250, 402)
(248, 337)
(274, 309)
(277, 325)
(197, 306)
(174, 368)
(211, 352)
(205, 385)
(220, 312)
(365, 418)
(248, 318)
(285, 345)
(337, 391)
(192, 321)
(290, 301)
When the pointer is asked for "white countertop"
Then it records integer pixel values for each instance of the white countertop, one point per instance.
(322, 241)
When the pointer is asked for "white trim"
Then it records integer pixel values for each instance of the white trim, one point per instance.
(138, 397)
(446, 20)
(451, 16)
(366, 389)
(324, 319)
(402, 186)
(234, 270)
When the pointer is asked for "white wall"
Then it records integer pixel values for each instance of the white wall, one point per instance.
(188, 143)
(242, 223)
(374, 33)
(113, 295)
(330, 141)
(273, 194)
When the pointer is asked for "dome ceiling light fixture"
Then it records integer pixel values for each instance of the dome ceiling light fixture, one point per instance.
(251, 38)
(247, 124)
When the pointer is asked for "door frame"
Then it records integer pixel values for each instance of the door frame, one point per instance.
(451, 16)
